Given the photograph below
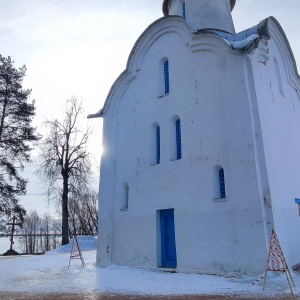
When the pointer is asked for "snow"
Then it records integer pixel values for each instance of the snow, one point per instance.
(243, 41)
(239, 45)
(50, 274)
(5, 244)
(85, 243)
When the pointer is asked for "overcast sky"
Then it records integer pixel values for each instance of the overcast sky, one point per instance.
(79, 47)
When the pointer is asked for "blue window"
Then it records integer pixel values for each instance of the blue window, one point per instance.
(178, 139)
(157, 144)
(222, 183)
(183, 10)
(166, 76)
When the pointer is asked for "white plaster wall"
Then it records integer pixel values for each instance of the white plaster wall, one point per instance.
(208, 93)
(203, 14)
(279, 112)
(106, 193)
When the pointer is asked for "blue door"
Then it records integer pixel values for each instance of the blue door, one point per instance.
(168, 244)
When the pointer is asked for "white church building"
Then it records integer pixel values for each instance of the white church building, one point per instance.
(202, 146)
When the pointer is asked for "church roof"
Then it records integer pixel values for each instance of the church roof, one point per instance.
(247, 40)
(165, 6)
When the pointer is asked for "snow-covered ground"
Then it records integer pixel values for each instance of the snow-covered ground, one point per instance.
(50, 274)
(5, 244)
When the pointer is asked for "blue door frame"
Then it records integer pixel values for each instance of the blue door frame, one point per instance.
(168, 243)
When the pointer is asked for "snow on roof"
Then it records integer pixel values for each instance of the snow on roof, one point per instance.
(244, 41)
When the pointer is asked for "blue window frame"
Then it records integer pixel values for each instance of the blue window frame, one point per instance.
(183, 10)
(157, 144)
(168, 238)
(222, 183)
(166, 76)
(178, 139)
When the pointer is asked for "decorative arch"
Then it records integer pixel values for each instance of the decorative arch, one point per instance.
(173, 24)
(156, 30)
(289, 63)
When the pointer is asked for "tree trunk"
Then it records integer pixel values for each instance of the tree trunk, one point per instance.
(65, 214)
(3, 112)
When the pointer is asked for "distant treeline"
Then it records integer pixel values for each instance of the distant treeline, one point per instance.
(39, 234)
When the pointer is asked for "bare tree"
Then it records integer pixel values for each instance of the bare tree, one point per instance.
(83, 211)
(64, 162)
(56, 230)
(45, 231)
(30, 229)
(38, 234)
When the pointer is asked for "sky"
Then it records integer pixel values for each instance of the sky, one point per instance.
(79, 47)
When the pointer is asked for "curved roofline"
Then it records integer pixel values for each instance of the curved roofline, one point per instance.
(287, 44)
(130, 73)
(127, 72)
(165, 6)
(262, 29)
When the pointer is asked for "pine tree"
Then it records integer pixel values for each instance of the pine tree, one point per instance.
(16, 134)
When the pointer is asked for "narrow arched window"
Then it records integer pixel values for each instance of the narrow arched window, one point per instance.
(279, 79)
(166, 77)
(183, 10)
(175, 138)
(178, 139)
(222, 183)
(163, 78)
(157, 144)
(125, 197)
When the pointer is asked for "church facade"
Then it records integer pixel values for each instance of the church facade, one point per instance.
(202, 146)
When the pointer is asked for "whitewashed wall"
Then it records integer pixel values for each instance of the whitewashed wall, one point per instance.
(278, 98)
(203, 14)
(209, 92)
